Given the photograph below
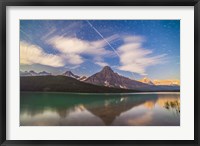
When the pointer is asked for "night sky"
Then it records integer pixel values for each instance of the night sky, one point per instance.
(133, 48)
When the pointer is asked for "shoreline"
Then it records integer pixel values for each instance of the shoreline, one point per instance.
(128, 93)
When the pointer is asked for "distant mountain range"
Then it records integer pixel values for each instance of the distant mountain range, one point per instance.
(167, 82)
(146, 81)
(44, 73)
(105, 78)
(160, 82)
(33, 73)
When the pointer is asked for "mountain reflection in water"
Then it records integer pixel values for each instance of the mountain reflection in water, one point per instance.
(67, 109)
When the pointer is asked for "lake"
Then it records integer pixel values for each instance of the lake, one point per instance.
(74, 109)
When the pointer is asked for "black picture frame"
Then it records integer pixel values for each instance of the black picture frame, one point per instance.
(5, 3)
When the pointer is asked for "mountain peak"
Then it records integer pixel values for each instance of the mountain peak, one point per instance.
(107, 69)
(146, 78)
(31, 71)
(70, 74)
(107, 77)
(67, 73)
(147, 81)
(44, 73)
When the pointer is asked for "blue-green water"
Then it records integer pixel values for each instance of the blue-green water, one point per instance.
(67, 109)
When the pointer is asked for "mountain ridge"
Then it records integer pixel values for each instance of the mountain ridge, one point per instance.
(33, 73)
(108, 78)
(70, 74)
(68, 84)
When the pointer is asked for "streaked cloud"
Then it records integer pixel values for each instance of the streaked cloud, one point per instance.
(73, 45)
(73, 49)
(33, 54)
(102, 64)
(72, 59)
(134, 58)
(132, 39)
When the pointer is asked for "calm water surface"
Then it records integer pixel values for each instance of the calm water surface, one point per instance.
(67, 109)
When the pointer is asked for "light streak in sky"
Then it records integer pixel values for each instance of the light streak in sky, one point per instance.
(102, 37)
(26, 34)
(106, 41)
(133, 76)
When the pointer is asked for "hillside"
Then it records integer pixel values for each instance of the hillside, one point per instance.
(63, 84)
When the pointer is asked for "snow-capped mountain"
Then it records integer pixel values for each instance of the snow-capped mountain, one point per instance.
(70, 74)
(107, 77)
(33, 73)
(160, 82)
(44, 73)
(146, 81)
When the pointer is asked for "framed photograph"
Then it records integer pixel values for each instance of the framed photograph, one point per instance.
(99, 72)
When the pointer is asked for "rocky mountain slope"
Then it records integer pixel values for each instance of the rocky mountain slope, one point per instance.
(107, 77)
